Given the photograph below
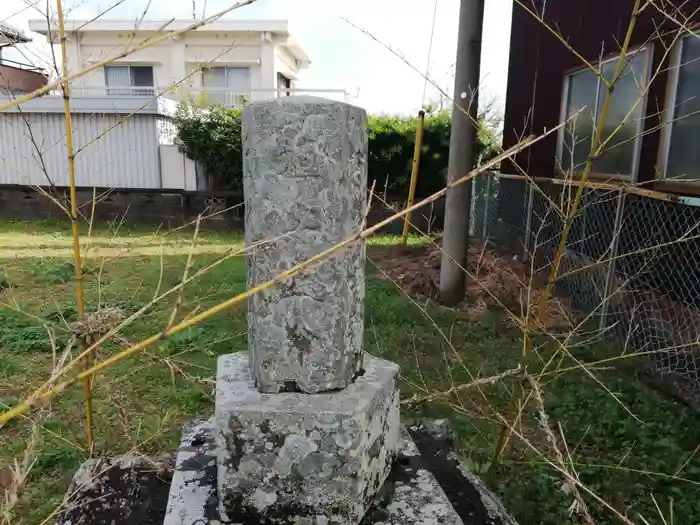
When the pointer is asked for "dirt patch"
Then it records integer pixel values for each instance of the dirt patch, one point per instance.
(494, 280)
(5, 479)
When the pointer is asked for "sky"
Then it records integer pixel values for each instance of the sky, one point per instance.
(342, 56)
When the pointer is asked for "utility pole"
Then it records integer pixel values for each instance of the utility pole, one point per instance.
(462, 152)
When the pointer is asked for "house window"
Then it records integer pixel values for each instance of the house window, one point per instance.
(129, 80)
(585, 92)
(283, 83)
(683, 117)
(226, 85)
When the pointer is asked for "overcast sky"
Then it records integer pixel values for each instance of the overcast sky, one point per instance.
(342, 56)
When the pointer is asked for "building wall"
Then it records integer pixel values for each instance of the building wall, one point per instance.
(128, 156)
(539, 61)
(173, 59)
(20, 80)
(285, 63)
(171, 208)
(87, 49)
(158, 208)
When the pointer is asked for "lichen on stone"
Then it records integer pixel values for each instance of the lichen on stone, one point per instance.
(305, 173)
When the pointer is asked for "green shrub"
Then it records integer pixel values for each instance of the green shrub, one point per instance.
(182, 341)
(391, 147)
(22, 334)
(212, 138)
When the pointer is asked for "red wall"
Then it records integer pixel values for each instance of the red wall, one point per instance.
(538, 62)
(20, 79)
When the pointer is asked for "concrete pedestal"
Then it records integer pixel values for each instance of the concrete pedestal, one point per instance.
(293, 458)
(428, 485)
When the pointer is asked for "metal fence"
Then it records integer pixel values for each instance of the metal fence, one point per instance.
(32, 149)
(631, 267)
(203, 95)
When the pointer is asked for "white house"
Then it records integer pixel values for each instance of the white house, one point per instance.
(229, 61)
(122, 109)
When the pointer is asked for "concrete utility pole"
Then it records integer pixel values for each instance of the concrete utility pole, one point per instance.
(462, 152)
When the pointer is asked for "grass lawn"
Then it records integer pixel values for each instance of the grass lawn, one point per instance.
(637, 457)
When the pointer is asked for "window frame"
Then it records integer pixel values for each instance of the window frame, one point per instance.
(225, 67)
(668, 112)
(648, 51)
(283, 90)
(131, 89)
(231, 98)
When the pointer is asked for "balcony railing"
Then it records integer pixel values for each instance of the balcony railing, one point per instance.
(206, 95)
(239, 99)
(116, 91)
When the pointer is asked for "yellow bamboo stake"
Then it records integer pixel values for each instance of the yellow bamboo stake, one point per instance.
(79, 293)
(414, 175)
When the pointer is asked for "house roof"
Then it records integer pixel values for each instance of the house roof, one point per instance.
(277, 27)
(114, 24)
(10, 35)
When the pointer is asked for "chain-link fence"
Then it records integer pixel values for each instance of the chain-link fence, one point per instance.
(630, 270)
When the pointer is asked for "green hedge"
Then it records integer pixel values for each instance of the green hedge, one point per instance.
(391, 147)
(213, 139)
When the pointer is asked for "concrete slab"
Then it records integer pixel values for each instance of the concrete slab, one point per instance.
(193, 498)
(428, 485)
(438, 447)
(294, 458)
(410, 496)
(118, 490)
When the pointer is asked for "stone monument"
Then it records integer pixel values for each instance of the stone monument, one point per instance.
(308, 427)
(305, 186)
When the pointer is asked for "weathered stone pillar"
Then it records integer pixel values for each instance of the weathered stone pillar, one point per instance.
(308, 432)
(305, 179)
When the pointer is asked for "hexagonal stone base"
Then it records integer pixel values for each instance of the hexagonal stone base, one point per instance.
(312, 459)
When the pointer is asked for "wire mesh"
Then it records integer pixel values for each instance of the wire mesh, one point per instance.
(630, 270)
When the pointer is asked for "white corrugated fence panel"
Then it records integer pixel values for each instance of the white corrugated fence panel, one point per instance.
(126, 156)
